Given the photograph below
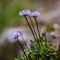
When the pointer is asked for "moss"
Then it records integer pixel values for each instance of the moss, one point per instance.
(50, 28)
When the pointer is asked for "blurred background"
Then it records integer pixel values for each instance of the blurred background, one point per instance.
(11, 21)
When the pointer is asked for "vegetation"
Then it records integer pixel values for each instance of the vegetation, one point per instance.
(50, 28)
(40, 48)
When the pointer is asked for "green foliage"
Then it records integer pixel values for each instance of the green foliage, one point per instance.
(16, 59)
(9, 10)
(41, 1)
(50, 28)
(40, 51)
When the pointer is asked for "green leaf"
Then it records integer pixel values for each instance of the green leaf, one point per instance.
(42, 50)
(32, 41)
(41, 38)
(16, 59)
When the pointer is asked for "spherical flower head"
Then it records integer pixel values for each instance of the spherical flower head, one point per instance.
(34, 14)
(24, 12)
(15, 35)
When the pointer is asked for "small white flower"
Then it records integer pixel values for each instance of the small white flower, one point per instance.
(56, 26)
(15, 35)
(34, 14)
(24, 12)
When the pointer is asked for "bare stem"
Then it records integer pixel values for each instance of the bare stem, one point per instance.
(30, 27)
(37, 30)
(24, 42)
(22, 49)
(37, 26)
(33, 27)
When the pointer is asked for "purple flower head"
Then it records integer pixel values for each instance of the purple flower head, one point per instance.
(15, 35)
(24, 12)
(31, 45)
(34, 14)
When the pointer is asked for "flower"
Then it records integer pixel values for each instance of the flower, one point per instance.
(15, 35)
(31, 45)
(34, 14)
(24, 12)
(56, 26)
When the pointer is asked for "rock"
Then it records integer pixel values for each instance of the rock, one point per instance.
(50, 17)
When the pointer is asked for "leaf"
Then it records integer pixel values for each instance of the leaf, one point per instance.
(16, 59)
(41, 38)
(42, 50)
(32, 41)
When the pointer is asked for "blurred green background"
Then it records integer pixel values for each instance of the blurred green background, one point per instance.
(9, 12)
(9, 17)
